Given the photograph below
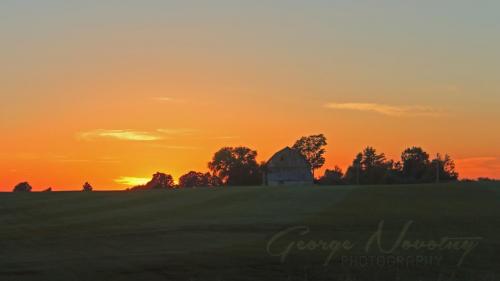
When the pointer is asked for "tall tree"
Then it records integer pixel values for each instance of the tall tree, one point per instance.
(369, 167)
(415, 163)
(312, 148)
(442, 169)
(236, 166)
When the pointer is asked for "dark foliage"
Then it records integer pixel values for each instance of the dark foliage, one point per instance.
(485, 179)
(22, 187)
(159, 181)
(415, 167)
(415, 164)
(236, 166)
(312, 147)
(87, 187)
(197, 179)
(370, 168)
(441, 169)
(332, 177)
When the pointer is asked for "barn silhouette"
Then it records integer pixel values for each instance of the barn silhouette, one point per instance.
(288, 167)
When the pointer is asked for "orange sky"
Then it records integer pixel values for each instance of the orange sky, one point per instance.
(110, 94)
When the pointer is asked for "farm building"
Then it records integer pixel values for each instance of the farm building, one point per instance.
(288, 167)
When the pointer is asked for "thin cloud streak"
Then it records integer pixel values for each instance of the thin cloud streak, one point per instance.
(178, 131)
(167, 99)
(388, 110)
(69, 159)
(126, 135)
(226, 137)
(176, 147)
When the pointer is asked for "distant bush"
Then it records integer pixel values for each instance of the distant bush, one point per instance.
(159, 181)
(197, 179)
(483, 179)
(332, 177)
(467, 180)
(22, 187)
(87, 187)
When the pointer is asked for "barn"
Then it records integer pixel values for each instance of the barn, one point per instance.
(288, 167)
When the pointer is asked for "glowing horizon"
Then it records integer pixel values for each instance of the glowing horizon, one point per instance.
(113, 92)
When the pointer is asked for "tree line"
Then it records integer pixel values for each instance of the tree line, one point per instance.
(238, 166)
(415, 166)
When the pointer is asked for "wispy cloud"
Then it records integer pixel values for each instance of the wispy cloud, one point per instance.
(69, 159)
(178, 131)
(132, 181)
(176, 147)
(128, 135)
(226, 137)
(167, 99)
(73, 160)
(388, 110)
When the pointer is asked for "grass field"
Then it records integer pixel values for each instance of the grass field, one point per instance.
(243, 233)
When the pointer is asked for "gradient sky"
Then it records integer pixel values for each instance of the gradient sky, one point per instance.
(112, 91)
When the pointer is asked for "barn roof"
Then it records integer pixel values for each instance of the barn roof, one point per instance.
(288, 157)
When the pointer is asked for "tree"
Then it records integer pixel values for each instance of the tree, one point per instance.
(236, 166)
(441, 169)
(197, 179)
(353, 172)
(371, 159)
(332, 177)
(22, 187)
(159, 181)
(87, 187)
(415, 164)
(369, 167)
(312, 148)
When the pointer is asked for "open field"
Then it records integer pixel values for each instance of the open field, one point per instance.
(232, 233)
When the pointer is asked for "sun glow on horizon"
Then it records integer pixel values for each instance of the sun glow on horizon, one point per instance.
(132, 181)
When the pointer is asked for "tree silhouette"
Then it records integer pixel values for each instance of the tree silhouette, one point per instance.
(236, 166)
(415, 164)
(442, 169)
(369, 167)
(159, 181)
(332, 177)
(22, 187)
(87, 187)
(197, 179)
(312, 148)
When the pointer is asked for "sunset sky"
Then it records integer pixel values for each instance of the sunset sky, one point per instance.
(112, 91)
